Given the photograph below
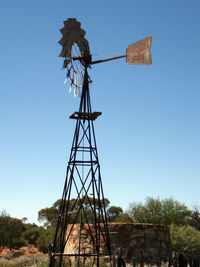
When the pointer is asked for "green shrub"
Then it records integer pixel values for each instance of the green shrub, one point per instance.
(10, 230)
(124, 217)
(18, 242)
(45, 239)
(32, 234)
(185, 241)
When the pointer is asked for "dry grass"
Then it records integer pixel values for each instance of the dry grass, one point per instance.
(40, 260)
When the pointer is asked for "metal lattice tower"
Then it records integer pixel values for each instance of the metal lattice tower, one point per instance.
(83, 179)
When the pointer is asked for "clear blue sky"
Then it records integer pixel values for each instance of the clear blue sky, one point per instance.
(148, 137)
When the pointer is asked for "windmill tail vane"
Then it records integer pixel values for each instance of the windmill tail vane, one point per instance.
(139, 53)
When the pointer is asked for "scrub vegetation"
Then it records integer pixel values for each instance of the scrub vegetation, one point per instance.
(16, 235)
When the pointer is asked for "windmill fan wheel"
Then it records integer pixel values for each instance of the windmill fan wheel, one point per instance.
(75, 50)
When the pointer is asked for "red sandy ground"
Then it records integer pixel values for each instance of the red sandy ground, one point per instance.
(29, 251)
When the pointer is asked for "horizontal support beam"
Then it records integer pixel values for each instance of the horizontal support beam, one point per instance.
(79, 255)
(84, 161)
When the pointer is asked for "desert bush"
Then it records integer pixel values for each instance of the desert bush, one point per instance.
(19, 242)
(10, 230)
(45, 239)
(185, 241)
(32, 234)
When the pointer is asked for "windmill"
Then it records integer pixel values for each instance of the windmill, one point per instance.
(83, 176)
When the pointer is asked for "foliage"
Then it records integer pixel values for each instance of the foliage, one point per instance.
(10, 229)
(45, 239)
(113, 212)
(27, 226)
(154, 210)
(4, 218)
(14, 233)
(24, 219)
(18, 242)
(32, 234)
(124, 217)
(185, 240)
(195, 218)
(49, 215)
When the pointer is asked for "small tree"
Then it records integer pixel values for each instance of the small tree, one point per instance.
(195, 218)
(49, 215)
(185, 241)
(32, 234)
(113, 212)
(45, 239)
(4, 222)
(10, 229)
(155, 210)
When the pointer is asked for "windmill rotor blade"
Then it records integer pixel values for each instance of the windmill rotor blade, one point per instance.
(70, 88)
(78, 85)
(75, 80)
(65, 63)
(74, 91)
(74, 84)
(140, 52)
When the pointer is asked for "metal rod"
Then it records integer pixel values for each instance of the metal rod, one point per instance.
(106, 59)
(81, 255)
(88, 60)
